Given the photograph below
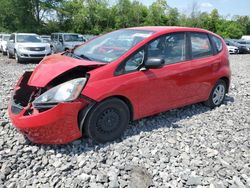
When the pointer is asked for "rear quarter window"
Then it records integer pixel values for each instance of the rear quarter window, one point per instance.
(201, 46)
(218, 43)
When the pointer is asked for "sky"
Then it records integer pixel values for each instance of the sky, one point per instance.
(227, 8)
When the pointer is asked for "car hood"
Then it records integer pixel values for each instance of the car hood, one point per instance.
(53, 66)
(33, 44)
(3, 42)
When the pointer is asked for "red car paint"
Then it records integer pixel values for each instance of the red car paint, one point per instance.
(149, 92)
(53, 126)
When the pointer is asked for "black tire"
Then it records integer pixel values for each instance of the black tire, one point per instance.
(219, 91)
(52, 50)
(8, 54)
(18, 59)
(107, 120)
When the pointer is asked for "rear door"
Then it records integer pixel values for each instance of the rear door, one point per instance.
(203, 64)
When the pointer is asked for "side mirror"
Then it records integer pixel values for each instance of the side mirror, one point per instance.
(154, 63)
(61, 40)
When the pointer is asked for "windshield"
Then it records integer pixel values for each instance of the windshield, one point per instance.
(111, 46)
(73, 38)
(6, 38)
(28, 38)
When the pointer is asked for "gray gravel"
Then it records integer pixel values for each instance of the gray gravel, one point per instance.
(189, 147)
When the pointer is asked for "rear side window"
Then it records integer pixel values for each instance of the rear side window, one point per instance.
(12, 37)
(218, 43)
(201, 46)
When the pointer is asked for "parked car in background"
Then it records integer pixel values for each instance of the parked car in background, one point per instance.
(232, 49)
(1, 35)
(46, 38)
(97, 88)
(245, 43)
(27, 47)
(64, 41)
(243, 49)
(245, 37)
(3, 43)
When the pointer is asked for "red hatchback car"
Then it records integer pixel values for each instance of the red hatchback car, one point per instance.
(97, 88)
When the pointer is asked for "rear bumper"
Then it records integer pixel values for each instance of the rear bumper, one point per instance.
(56, 125)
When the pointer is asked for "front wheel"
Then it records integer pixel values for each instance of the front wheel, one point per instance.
(217, 95)
(18, 60)
(107, 120)
(52, 50)
(8, 54)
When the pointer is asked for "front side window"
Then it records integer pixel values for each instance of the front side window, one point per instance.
(111, 46)
(28, 38)
(201, 46)
(134, 62)
(12, 37)
(60, 38)
(171, 48)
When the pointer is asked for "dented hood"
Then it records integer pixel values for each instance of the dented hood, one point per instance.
(53, 66)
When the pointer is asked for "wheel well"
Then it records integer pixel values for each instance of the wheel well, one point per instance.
(83, 113)
(226, 80)
(127, 102)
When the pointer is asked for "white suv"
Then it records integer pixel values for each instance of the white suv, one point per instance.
(26, 47)
(3, 43)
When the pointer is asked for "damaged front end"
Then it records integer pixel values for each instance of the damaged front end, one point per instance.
(49, 114)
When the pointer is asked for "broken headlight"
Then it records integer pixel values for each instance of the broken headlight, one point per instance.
(64, 92)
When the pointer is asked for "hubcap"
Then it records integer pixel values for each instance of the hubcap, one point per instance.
(218, 94)
(108, 121)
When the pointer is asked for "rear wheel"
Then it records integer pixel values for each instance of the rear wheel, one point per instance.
(217, 95)
(8, 54)
(107, 120)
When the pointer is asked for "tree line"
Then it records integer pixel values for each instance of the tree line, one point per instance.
(99, 16)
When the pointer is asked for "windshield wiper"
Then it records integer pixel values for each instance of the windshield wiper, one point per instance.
(72, 54)
(85, 57)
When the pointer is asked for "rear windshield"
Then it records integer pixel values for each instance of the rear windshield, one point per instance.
(73, 38)
(28, 38)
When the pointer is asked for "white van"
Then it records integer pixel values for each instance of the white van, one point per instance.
(245, 37)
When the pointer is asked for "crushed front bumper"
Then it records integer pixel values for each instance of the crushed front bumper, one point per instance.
(56, 125)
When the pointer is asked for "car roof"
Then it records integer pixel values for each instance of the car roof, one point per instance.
(25, 33)
(66, 33)
(169, 28)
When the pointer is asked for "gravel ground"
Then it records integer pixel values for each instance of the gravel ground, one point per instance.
(188, 147)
